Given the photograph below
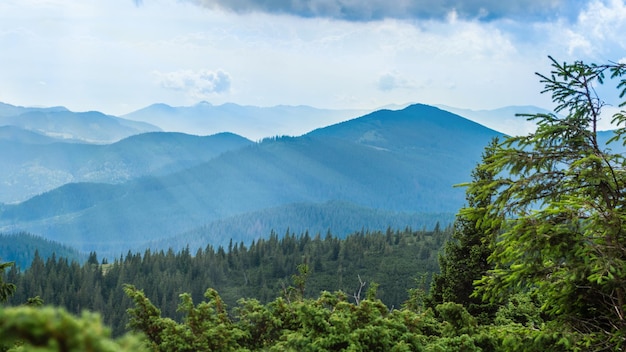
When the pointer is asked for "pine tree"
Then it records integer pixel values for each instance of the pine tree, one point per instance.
(464, 258)
(6, 289)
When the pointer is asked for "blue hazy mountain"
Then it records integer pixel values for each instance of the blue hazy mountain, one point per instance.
(20, 135)
(33, 164)
(14, 110)
(252, 122)
(394, 161)
(65, 125)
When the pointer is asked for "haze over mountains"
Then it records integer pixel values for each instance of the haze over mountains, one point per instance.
(33, 164)
(65, 125)
(388, 168)
(252, 122)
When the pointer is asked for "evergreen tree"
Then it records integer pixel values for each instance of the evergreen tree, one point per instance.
(464, 258)
(6, 288)
(559, 208)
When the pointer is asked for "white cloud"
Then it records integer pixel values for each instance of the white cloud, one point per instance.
(595, 35)
(393, 80)
(197, 84)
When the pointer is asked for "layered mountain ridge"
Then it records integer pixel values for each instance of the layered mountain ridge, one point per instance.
(387, 162)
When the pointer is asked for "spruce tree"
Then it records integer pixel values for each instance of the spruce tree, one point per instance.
(6, 289)
(559, 209)
(464, 257)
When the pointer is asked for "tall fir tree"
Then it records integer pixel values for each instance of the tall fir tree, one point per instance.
(6, 288)
(464, 257)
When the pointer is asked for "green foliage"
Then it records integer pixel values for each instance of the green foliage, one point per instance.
(206, 327)
(53, 329)
(330, 322)
(521, 308)
(327, 322)
(457, 321)
(558, 209)
(6, 288)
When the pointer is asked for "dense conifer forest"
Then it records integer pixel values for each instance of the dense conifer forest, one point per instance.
(394, 259)
(20, 248)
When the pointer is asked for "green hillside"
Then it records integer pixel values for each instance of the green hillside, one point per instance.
(314, 218)
(20, 248)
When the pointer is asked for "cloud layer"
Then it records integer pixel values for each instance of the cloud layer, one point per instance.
(121, 55)
(366, 10)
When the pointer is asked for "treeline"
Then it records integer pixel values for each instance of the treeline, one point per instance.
(342, 217)
(262, 270)
(20, 248)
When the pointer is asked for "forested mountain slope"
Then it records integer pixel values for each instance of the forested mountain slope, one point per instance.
(32, 164)
(22, 248)
(405, 161)
(315, 218)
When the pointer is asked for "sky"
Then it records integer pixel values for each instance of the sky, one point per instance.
(117, 56)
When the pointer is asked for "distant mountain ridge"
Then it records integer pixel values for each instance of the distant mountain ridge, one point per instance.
(34, 164)
(253, 122)
(20, 135)
(65, 125)
(15, 110)
(393, 161)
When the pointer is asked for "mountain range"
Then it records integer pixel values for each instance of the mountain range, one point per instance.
(386, 168)
(64, 125)
(34, 163)
(252, 122)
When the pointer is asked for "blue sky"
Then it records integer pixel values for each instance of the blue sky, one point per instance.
(117, 56)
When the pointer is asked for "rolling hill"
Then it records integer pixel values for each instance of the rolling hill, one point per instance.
(34, 164)
(403, 161)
